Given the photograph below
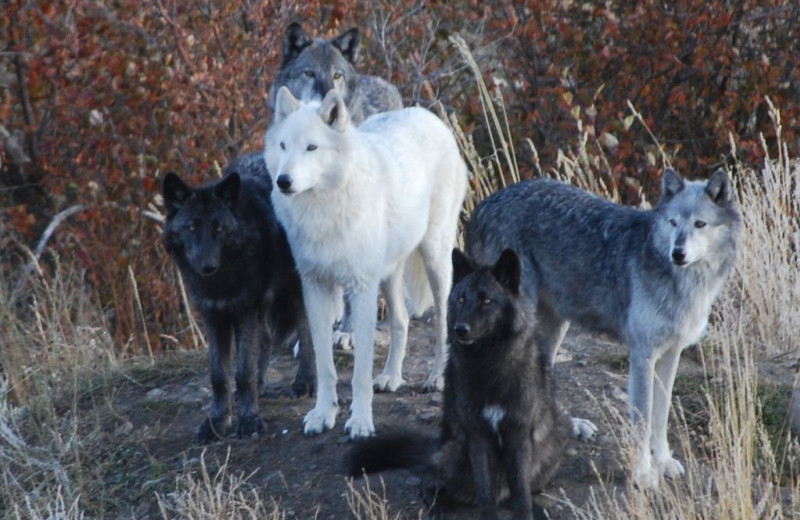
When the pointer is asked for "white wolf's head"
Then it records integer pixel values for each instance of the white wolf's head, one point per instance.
(696, 219)
(305, 143)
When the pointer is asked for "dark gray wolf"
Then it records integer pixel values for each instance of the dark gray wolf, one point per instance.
(647, 278)
(238, 269)
(313, 66)
(502, 431)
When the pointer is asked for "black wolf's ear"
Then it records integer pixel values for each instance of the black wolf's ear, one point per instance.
(507, 270)
(175, 193)
(294, 41)
(333, 111)
(462, 266)
(228, 189)
(719, 187)
(348, 43)
(285, 104)
(671, 183)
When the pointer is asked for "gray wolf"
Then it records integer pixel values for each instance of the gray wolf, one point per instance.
(645, 277)
(502, 431)
(360, 204)
(313, 66)
(237, 266)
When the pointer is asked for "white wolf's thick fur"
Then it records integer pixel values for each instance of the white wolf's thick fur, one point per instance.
(357, 203)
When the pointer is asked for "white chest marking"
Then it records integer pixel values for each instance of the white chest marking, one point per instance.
(494, 414)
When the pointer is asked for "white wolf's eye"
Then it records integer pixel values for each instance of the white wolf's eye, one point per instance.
(283, 145)
(673, 222)
(311, 147)
(699, 224)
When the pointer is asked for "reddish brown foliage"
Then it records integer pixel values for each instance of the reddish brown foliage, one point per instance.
(105, 96)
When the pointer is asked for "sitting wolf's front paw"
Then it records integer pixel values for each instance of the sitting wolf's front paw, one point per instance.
(583, 429)
(250, 426)
(213, 429)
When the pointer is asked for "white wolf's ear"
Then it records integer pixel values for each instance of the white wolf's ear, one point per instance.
(671, 183)
(348, 43)
(719, 187)
(175, 193)
(462, 266)
(285, 104)
(507, 270)
(333, 111)
(295, 40)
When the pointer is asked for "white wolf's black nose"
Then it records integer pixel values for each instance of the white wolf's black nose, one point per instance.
(679, 256)
(284, 182)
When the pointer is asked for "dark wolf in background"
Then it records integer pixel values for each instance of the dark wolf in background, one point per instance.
(647, 278)
(502, 431)
(237, 266)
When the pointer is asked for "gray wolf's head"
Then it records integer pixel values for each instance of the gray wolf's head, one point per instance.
(697, 220)
(313, 67)
(484, 300)
(305, 145)
(200, 222)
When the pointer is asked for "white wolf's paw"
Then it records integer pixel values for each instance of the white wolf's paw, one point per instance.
(583, 429)
(342, 340)
(645, 475)
(387, 383)
(671, 468)
(359, 427)
(320, 419)
(434, 383)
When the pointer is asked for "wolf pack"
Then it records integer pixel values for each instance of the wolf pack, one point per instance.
(356, 196)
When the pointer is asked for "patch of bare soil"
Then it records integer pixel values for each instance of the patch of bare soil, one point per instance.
(156, 413)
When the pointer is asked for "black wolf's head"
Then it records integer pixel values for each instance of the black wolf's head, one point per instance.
(483, 302)
(201, 222)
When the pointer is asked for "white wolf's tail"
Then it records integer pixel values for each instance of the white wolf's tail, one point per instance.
(418, 290)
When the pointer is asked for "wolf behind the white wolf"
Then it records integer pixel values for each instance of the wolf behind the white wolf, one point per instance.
(358, 204)
(648, 278)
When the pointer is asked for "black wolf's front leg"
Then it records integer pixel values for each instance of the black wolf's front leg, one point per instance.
(484, 489)
(517, 458)
(248, 339)
(220, 336)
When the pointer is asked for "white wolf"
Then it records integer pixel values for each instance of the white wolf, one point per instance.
(358, 204)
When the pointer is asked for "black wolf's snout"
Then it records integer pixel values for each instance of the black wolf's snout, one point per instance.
(209, 267)
(462, 330)
(679, 256)
(284, 183)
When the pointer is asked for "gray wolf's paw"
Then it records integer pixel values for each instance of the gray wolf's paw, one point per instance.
(251, 426)
(434, 383)
(342, 340)
(359, 427)
(671, 468)
(213, 430)
(387, 383)
(320, 419)
(583, 429)
(645, 475)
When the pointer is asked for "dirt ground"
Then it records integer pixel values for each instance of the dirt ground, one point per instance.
(157, 411)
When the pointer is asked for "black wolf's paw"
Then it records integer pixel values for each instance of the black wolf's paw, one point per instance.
(213, 430)
(250, 426)
(303, 386)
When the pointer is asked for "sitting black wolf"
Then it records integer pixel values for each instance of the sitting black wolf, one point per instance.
(237, 266)
(502, 431)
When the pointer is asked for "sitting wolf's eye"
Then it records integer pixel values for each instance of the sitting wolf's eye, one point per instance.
(699, 224)
(309, 73)
(673, 222)
(460, 300)
(283, 145)
(192, 228)
(311, 147)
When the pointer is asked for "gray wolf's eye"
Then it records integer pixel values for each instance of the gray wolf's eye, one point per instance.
(699, 224)
(309, 73)
(337, 75)
(311, 147)
(283, 145)
(673, 222)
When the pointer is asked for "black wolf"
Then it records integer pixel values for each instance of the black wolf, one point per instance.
(237, 266)
(502, 431)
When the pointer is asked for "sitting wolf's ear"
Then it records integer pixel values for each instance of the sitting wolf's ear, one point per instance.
(285, 104)
(719, 187)
(175, 193)
(333, 111)
(228, 189)
(671, 183)
(348, 43)
(507, 270)
(462, 266)
(294, 41)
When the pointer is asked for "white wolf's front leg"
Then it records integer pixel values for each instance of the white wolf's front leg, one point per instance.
(365, 315)
(320, 303)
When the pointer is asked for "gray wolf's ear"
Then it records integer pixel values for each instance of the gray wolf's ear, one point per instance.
(671, 183)
(228, 189)
(348, 43)
(285, 104)
(507, 270)
(719, 187)
(175, 193)
(333, 111)
(295, 40)
(462, 266)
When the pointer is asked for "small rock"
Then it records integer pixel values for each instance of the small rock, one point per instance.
(156, 394)
(413, 481)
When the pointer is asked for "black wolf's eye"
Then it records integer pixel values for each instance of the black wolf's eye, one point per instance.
(673, 222)
(460, 300)
(283, 145)
(699, 224)
(311, 147)
(192, 228)
(337, 75)
(487, 301)
(309, 73)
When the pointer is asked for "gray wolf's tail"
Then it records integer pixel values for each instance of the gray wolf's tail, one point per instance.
(401, 449)
(418, 289)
